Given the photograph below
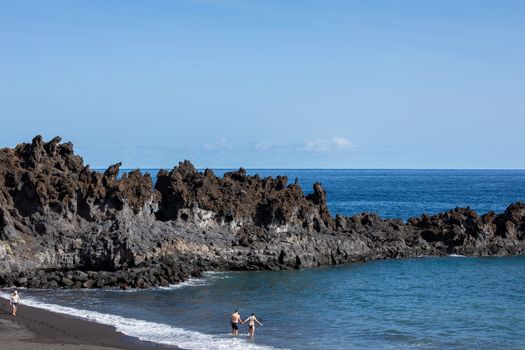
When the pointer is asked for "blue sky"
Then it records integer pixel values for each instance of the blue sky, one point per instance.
(271, 84)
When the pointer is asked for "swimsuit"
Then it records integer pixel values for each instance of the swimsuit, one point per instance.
(234, 326)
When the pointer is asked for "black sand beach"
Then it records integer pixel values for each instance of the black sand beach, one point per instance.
(38, 329)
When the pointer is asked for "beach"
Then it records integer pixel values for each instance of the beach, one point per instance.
(38, 329)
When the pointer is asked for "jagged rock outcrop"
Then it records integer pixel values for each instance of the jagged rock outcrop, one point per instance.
(64, 225)
(239, 201)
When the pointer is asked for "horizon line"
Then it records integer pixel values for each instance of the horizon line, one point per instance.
(298, 168)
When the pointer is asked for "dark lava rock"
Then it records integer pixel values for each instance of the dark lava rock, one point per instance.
(67, 282)
(64, 225)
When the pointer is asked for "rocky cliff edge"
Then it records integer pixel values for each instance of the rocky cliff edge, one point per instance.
(65, 225)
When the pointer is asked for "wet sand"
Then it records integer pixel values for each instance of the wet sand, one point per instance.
(38, 329)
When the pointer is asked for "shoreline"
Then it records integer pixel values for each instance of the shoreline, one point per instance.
(38, 329)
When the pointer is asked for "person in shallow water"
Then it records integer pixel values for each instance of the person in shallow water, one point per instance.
(15, 301)
(252, 319)
(235, 319)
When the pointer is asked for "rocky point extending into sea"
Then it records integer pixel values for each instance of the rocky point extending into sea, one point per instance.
(65, 225)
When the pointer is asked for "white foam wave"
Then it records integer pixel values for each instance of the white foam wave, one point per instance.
(207, 279)
(457, 256)
(150, 331)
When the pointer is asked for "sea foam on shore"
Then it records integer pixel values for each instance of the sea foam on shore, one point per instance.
(150, 331)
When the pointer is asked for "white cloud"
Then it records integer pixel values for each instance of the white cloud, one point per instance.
(271, 146)
(223, 144)
(335, 144)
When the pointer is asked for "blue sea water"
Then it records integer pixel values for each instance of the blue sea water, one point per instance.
(421, 303)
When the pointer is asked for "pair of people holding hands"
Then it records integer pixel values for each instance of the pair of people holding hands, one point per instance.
(236, 319)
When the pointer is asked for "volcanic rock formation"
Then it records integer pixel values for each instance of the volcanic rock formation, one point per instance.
(64, 225)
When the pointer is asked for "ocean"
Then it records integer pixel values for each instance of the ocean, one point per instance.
(422, 303)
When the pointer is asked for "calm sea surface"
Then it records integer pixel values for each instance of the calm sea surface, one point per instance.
(423, 303)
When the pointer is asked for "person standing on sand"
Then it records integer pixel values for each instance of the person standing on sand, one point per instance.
(235, 319)
(252, 319)
(15, 301)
